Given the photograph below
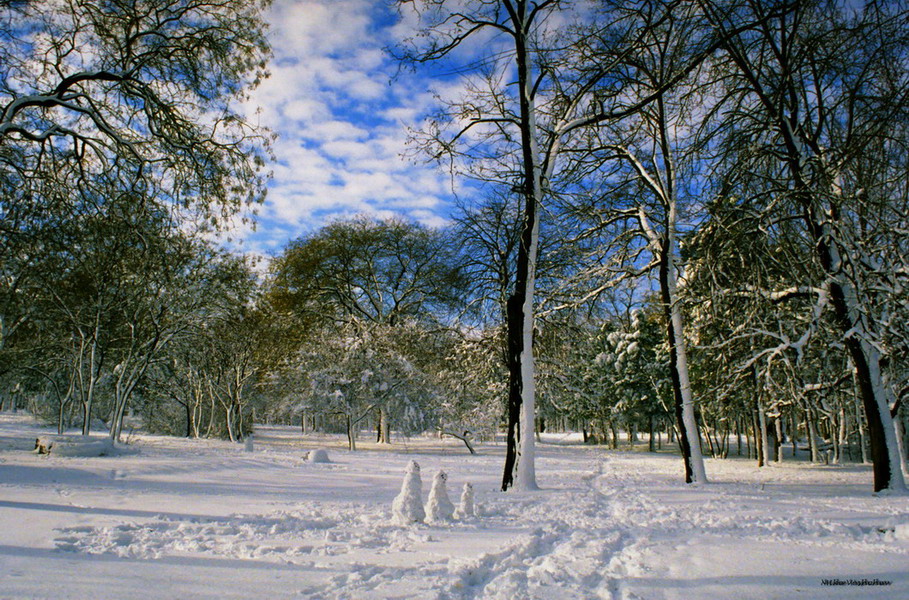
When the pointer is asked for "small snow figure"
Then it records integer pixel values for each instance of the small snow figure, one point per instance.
(439, 508)
(408, 506)
(465, 508)
(319, 455)
(248, 443)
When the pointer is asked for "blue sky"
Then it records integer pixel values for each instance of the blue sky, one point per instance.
(341, 108)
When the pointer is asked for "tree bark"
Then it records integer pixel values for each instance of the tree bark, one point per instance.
(520, 471)
(384, 427)
(764, 446)
(351, 438)
(866, 360)
(650, 440)
(689, 438)
(758, 438)
(778, 423)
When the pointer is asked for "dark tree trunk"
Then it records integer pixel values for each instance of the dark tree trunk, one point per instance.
(189, 419)
(515, 385)
(847, 306)
(650, 434)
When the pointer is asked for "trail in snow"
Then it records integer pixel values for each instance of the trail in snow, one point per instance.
(208, 520)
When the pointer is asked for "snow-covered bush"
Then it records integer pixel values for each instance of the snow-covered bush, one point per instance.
(407, 507)
(474, 382)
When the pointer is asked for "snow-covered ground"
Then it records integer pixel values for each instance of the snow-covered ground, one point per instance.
(175, 518)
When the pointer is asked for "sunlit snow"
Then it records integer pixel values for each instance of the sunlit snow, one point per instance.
(180, 518)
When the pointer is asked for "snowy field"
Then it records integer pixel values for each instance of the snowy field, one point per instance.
(176, 518)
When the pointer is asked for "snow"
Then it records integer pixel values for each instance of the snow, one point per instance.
(407, 507)
(319, 455)
(465, 510)
(75, 445)
(439, 508)
(205, 519)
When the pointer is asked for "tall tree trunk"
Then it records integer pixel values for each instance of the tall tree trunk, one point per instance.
(860, 421)
(189, 417)
(229, 422)
(711, 447)
(650, 428)
(778, 423)
(520, 471)
(88, 395)
(758, 438)
(794, 432)
(64, 402)
(689, 439)
(851, 310)
(836, 427)
(764, 447)
(351, 438)
(384, 427)
(900, 433)
(866, 360)
(811, 430)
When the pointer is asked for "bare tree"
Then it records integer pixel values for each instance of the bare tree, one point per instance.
(448, 27)
(513, 134)
(815, 93)
(149, 84)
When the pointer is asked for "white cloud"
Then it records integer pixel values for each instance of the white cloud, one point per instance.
(349, 151)
(333, 130)
(305, 109)
(341, 125)
(429, 218)
(318, 27)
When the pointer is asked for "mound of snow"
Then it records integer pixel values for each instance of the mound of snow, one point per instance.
(319, 455)
(75, 445)
(408, 505)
